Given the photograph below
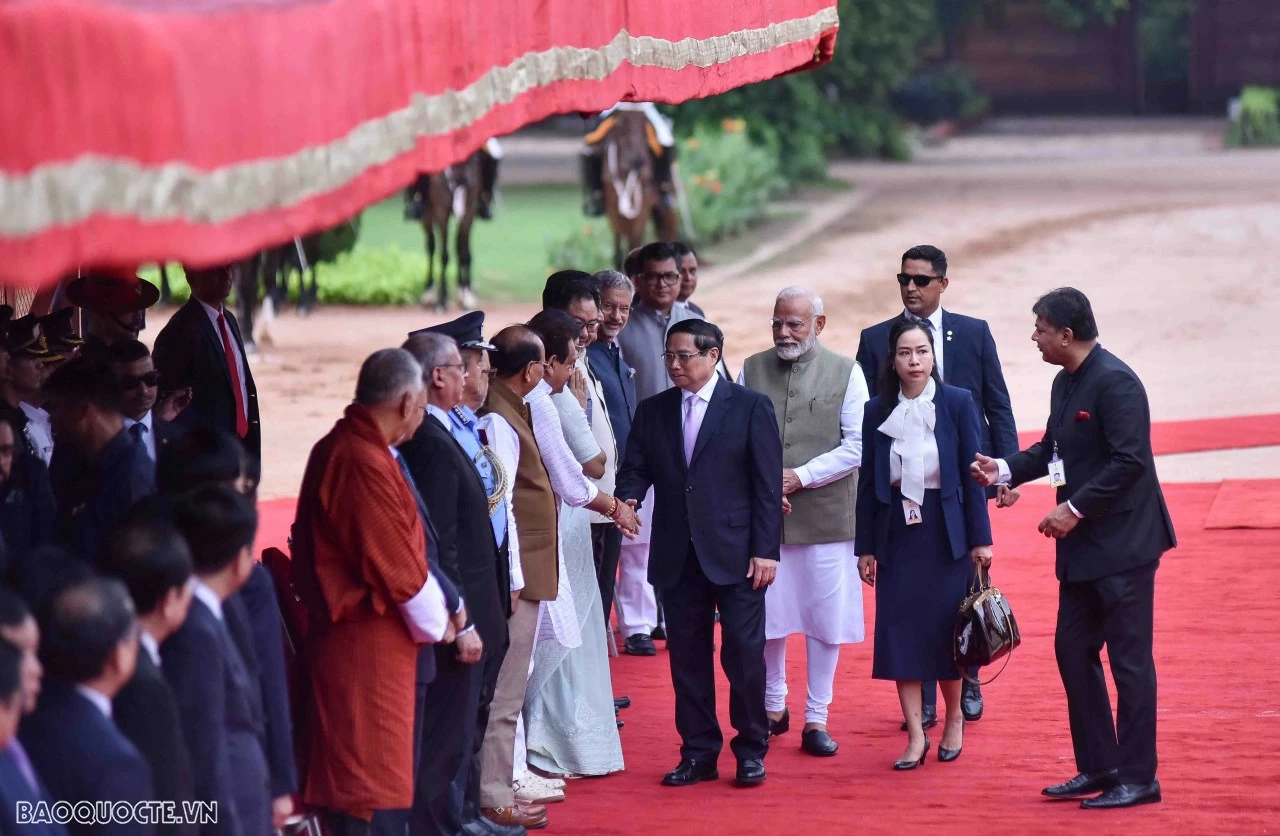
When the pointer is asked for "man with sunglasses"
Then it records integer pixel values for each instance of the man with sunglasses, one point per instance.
(140, 382)
(965, 354)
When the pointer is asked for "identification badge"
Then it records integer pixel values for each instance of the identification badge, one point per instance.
(1057, 472)
(911, 511)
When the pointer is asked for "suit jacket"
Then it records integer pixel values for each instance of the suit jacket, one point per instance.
(459, 511)
(189, 352)
(727, 501)
(1100, 425)
(146, 711)
(166, 432)
(969, 361)
(964, 502)
(82, 756)
(14, 788)
(27, 514)
(220, 720)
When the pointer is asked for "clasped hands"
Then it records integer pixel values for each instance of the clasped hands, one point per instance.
(469, 645)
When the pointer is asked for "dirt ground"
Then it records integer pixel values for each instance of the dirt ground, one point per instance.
(1173, 240)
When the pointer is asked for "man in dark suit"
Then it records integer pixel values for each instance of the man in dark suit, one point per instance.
(153, 561)
(712, 452)
(18, 779)
(219, 701)
(201, 348)
(89, 649)
(27, 508)
(458, 504)
(1112, 526)
(140, 383)
(965, 354)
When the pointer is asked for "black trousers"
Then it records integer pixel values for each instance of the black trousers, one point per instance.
(690, 609)
(1116, 611)
(492, 662)
(606, 546)
(384, 823)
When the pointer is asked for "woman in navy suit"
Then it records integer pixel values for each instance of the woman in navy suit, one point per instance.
(922, 525)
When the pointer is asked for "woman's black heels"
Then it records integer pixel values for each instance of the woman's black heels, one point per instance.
(903, 766)
(946, 755)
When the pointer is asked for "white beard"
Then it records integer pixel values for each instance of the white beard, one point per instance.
(788, 353)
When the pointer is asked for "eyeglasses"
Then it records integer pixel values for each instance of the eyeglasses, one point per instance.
(133, 381)
(588, 324)
(620, 310)
(670, 357)
(462, 366)
(905, 279)
(665, 278)
(792, 324)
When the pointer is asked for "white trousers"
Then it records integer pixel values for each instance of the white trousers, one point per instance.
(822, 660)
(633, 596)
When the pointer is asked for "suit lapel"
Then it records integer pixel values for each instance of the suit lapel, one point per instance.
(434, 426)
(712, 419)
(945, 435)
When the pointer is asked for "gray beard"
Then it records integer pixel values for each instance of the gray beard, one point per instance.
(795, 352)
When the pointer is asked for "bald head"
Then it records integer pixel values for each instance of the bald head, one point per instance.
(518, 360)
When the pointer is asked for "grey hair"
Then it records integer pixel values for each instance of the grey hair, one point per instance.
(431, 350)
(387, 375)
(613, 280)
(798, 292)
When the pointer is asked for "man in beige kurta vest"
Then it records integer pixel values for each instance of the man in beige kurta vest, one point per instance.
(818, 396)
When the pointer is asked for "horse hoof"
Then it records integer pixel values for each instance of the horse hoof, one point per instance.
(467, 299)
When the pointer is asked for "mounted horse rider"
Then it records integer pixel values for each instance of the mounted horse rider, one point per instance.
(415, 197)
(662, 144)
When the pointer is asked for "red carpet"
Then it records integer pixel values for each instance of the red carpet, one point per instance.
(1216, 641)
(1170, 437)
(1246, 503)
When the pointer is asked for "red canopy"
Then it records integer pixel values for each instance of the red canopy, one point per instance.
(203, 130)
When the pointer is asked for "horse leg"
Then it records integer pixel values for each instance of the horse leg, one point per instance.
(247, 298)
(165, 293)
(443, 304)
(465, 296)
(430, 229)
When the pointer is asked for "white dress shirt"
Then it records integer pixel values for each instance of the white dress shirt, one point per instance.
(205, 594)
(833, 465)
(39, 430)
(701, 399)
(150, 645)
(214, 313)
(506, 445)
(567, 479)
(100, 700)
(148, 434)
(939, 338)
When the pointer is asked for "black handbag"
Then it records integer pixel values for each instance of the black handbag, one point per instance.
(985, 628)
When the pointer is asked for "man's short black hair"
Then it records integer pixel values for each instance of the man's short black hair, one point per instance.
(584, 289)
(705, 335)
(128, 351)
(516, 347)
(150, 556)
(13, 610)
(82, 627)
(85, 380)
(200, 456)
(10, 672)
(931, 254)
(218, 523)
(649, 253)
(558, 331)
(682, 249)
(558, 284)
(1065, 308)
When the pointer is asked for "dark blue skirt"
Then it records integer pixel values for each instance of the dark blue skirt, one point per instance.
(919, 589)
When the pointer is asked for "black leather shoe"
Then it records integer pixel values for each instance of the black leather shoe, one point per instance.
(971, 701)
(622, 702)
(818, 743)
(484, 827)
(1082, 784)
(1124, 795)
(658, 633)
(928, 719)
(750, 773)
(691, 771)
(903, 766)
(782, 725)
(640, 645)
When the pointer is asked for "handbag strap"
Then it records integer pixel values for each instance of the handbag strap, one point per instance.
(964, 674)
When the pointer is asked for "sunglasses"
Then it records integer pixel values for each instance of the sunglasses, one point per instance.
(133, 381)
(905, 279)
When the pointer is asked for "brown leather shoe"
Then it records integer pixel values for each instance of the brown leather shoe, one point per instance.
(521, 816)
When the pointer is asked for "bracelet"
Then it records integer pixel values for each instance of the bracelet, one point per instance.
(613, 511)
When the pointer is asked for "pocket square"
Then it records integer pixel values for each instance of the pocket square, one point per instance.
(1083, 416)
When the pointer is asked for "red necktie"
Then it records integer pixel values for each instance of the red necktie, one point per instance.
(242, 417)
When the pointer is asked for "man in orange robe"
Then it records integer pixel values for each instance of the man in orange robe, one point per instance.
(360, 565)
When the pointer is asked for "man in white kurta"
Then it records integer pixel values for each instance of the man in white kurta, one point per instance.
(819, 398)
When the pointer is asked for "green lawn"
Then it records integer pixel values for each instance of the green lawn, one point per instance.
(509, 253)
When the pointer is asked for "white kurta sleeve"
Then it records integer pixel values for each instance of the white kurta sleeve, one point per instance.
(426, 614)
(567, 479)
(573, 422)
(836, 464)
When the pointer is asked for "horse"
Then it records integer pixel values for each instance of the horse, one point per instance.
(632, 196)
(454, 192)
